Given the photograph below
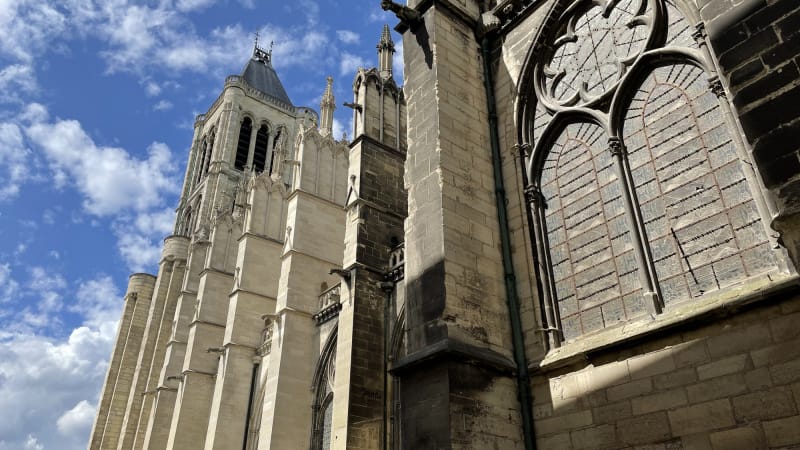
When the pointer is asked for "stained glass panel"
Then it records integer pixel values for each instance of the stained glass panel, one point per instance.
(699, 215)
(590, 246)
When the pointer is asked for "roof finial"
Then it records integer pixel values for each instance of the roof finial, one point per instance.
(259, 54)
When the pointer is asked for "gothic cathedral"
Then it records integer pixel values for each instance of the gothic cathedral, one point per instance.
(575, 226)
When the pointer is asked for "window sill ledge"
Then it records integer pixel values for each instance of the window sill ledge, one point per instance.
(724, 303)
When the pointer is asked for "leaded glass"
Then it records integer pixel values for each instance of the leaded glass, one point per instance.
(590, 247)
(595, 46)
(698, 212)
(684, 212)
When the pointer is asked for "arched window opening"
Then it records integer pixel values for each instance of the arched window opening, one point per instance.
(208, 153)
(201, 161)
(641, 198)
(187, 223)
(260, 151)
(243, 145)
(324, 376)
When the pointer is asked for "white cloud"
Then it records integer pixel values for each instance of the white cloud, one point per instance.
(28, 27)
(348, 37)
(339, 129)
(31, 443)
(140, 251)
(193, 5)
(48, 385)
(77, 422)
(16, 79)
(162, 105)
(349, 63)
(110, 178)
(98, 301)
(15, 160)
(43, 280)
(8, 286)
(398, 65)
(152, 89)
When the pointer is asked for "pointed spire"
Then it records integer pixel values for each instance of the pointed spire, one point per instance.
(385, 52)
(326, 107)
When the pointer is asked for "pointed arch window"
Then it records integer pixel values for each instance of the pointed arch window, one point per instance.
(243, 144)
(642, 196)
(324, 376)
(260, 151)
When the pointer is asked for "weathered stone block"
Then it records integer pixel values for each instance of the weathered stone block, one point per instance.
(725, 366)
(643, 429)
(630, 389)
(724, 386)
(602, 436)
(782, 432)
(763, 405)
(702, 417)
(737, 439)
(651, 364)
(659, 401)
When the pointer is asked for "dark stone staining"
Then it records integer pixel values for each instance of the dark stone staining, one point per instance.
(425, 303)
(772, 81)
(742, 52)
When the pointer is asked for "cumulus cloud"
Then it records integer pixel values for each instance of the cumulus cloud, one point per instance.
(16, 80)
(348, 37)
(133, 191)
(349, 62)
(110, 178)
(77, 422)
(52, 396)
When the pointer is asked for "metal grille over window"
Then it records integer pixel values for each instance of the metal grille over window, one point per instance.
(639, 193)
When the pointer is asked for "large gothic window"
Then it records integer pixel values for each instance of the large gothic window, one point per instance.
(642, 197)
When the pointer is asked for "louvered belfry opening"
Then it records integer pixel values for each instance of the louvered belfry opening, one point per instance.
(243, 146)
(260, 152)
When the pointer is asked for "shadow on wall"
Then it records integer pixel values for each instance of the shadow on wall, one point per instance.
(734, 384)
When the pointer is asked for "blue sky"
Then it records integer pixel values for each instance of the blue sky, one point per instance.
(97, 100)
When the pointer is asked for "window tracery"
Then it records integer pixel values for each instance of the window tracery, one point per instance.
(641, 200)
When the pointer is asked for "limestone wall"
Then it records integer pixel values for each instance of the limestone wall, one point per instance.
(726, 384)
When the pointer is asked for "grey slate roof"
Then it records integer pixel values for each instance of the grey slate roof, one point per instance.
(259, 74)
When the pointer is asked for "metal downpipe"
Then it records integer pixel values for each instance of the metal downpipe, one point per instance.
(523, 382)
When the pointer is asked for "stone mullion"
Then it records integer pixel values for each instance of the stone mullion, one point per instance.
(551, 313)
(644, 259)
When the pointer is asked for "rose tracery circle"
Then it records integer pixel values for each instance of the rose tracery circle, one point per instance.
(597, 41)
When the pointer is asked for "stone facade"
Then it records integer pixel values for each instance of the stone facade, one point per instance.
(574, 227)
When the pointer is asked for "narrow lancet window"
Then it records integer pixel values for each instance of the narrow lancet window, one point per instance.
(243, 146)
(260, 152)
